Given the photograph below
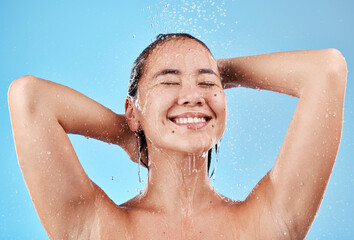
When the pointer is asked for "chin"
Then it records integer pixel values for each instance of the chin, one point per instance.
(192, 148)
(188, 144)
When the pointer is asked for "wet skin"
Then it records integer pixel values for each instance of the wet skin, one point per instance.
(181, 80)
(181, 83)
(182, 109)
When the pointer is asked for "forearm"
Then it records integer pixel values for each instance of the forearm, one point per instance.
(75, 112)
(283, 72)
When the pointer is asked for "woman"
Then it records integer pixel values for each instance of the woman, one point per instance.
(175, 113)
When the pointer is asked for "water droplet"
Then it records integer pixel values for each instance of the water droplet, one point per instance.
(49, 153)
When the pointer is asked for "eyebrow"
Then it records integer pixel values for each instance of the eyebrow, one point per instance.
(207, 71)
(178, 72)
(167, 71)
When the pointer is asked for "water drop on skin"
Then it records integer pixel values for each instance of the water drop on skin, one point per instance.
(189, 166)
(194, 170)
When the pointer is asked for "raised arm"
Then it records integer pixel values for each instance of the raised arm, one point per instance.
(291, 193)
(42, 113)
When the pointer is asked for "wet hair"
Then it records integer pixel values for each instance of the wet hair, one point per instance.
(138, 71)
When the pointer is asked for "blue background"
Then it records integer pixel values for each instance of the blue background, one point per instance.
(91, 45)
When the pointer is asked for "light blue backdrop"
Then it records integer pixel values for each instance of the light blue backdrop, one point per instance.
(91, 45)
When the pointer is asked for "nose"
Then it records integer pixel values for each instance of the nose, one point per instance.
(190, 95)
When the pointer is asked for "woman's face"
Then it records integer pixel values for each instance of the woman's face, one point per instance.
(181, 105)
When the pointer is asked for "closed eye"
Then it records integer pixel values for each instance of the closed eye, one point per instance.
(170, 83)
(207, 84)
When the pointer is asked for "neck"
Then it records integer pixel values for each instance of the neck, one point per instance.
(178, 182)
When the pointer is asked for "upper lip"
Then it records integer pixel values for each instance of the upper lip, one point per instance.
(191, 115)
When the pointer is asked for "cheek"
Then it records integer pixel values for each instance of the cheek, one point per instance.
(218, 101)
(156, 105)
(218, 104)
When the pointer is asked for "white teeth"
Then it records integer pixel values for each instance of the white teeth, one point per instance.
(189, 120)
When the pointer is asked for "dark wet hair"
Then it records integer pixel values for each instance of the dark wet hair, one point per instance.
(138, 71)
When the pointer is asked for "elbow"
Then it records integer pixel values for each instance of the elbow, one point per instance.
(336, 63)
(22, 92)
(335, 71)
(19, 85)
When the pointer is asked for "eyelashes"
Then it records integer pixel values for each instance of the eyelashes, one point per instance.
(207, 84)
(170, 83)
(204, 84)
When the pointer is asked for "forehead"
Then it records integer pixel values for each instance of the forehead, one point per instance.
(180, 53)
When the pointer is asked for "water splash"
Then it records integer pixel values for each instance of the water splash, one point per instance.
(194, 17)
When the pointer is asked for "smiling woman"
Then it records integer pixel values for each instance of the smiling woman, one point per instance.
(176, 109)
(165, 77)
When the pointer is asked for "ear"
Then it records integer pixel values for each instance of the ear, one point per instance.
(130, 116)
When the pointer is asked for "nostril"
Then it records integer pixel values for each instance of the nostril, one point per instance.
(191, 98)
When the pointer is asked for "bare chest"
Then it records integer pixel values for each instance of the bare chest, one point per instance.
(206, 226)
(219, 223)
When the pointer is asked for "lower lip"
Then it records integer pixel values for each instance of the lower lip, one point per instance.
(192, 126)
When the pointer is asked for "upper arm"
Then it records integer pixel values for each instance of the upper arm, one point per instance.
(295, 186)
(61, 191)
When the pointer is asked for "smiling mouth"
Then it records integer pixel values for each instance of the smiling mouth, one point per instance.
(191, 120)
